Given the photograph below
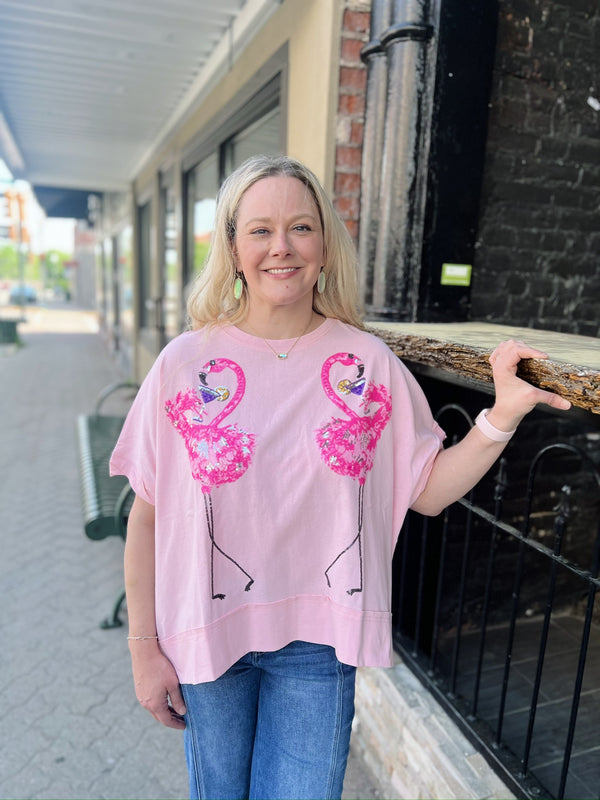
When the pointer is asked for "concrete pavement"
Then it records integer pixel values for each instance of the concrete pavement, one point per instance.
(71, 725)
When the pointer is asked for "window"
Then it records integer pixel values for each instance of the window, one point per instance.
(203, 181)
(124, 320)
(145, 292)
(103, 296)
(262, 137)
(253, 123)
(202, 187)
(170, 294)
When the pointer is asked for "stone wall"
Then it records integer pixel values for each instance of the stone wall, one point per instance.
(537, 261)
(411, 745)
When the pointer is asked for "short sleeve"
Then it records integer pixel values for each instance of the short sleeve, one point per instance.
(135, 452)
(418, 437)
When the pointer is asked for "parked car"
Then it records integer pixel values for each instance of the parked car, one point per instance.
(21, 294)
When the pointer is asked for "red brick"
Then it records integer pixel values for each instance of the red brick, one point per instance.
(357, 21)
(356, 132)
(353, 78)
(351, 50)
(347, 207)
(352, 226)
(349, 157)
(352, 104)
(347, 183)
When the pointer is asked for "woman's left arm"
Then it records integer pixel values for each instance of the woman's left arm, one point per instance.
(458, 468)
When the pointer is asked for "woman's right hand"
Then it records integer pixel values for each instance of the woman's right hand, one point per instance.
(156, 683)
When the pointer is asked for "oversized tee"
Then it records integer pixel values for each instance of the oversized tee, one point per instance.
(280, 486)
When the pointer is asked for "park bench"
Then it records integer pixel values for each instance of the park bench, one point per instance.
(8, 331)
(105, 500)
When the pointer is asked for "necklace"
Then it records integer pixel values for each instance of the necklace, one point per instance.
(283, 356)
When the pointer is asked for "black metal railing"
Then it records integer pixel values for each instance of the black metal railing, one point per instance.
(495, 611)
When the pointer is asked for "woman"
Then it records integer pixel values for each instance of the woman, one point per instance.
(274, 450)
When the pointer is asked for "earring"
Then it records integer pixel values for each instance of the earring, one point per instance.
(238, 286)
(321, 282)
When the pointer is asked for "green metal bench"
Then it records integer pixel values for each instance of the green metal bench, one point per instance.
(8, 331)
(105, 500)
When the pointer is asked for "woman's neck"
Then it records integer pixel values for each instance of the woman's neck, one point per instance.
(284, 325)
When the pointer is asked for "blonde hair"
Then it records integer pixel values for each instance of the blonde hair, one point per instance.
(211, 297)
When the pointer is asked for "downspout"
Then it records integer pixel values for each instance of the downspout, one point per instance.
(374, 57)
(390, 260)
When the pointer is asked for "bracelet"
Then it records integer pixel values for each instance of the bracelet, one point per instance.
(489, 430)
(139, 638)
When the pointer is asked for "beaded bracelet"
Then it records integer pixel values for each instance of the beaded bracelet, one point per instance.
(139, 638)
(489, 430)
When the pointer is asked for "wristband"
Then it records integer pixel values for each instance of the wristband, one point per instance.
(489, 430)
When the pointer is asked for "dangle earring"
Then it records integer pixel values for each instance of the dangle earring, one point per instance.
(238, 286)
(321, 282)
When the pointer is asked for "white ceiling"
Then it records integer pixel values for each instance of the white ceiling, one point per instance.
(89, 88)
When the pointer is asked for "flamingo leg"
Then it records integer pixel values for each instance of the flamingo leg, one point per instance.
(211, 533)
(214, 546)
(357, 538)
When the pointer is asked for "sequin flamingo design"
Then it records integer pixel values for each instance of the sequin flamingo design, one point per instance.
(348, 445)
(218, 454)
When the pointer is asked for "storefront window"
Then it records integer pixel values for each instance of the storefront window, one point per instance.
(110, 282)
(102, 259)
(145, 294)
(125, 288)
(263, 136)
(203, 185)
(170, 295)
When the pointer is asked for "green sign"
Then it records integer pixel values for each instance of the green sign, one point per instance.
(456, 274)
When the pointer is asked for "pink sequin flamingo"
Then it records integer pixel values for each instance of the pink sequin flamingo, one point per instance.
(217, 454)
(348, 445)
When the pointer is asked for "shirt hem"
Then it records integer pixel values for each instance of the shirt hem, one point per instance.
(360, 638)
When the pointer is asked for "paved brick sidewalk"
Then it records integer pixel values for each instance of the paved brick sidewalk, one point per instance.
(71, 725)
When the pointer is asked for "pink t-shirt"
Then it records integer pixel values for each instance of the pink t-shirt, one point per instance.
(280, 486)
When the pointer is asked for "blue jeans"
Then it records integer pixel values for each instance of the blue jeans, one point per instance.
(275, 725)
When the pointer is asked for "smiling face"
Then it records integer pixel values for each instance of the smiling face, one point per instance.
(279, 245)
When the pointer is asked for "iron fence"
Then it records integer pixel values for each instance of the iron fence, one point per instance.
(495, 611)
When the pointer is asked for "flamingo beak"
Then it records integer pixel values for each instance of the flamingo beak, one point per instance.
(357, 386)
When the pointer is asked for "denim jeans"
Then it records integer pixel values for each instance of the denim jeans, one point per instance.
(275, 725)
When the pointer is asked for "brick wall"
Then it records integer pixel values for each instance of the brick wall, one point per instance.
(537, 261)
(351, 111)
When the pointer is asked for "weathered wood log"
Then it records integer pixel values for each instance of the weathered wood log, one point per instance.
(579, 384)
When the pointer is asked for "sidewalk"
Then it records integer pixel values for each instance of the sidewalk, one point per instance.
(72, 727)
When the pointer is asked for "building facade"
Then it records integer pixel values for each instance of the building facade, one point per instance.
(500, 173)
(290, 90)
(460, 141)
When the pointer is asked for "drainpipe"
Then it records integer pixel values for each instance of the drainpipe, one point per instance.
(391, 258)
(374, 57)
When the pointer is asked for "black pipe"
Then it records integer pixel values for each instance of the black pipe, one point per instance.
(374, 56)
(399, 100)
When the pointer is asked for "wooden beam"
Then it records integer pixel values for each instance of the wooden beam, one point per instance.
(579, 384)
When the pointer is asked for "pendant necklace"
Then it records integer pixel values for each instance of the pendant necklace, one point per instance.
(283, 356)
